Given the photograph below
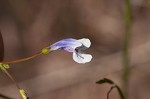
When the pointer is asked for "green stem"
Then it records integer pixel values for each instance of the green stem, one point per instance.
(43, 51)
(9, 75)
(108, 81)
(22, 59)
(125, 56)
(108, 93)
(118, 89)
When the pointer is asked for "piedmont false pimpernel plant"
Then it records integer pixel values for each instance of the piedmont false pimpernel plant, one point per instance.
(76, 47)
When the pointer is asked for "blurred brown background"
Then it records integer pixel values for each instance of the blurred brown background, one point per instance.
(29, 25)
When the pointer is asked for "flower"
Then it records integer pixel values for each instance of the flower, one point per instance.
(76, 47)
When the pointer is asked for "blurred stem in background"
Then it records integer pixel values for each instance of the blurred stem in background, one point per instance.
(148, 2)
(4, 97)
(125, 55)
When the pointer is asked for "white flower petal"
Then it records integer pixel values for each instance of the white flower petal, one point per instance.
(86, 42)
(81, 58)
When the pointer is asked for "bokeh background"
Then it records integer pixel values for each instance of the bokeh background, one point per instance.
(27, 26)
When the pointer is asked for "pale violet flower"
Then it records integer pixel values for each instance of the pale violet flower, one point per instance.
(76, 47)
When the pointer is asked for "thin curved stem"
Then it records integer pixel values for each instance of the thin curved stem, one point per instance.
(43, 51)
(9, 75)
(22, 59)
(120, 92)
(108, 93)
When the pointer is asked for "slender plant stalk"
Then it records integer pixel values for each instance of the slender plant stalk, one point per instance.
(9, 75)
(113, 85)
(125, 56)
(119, 92)
(108, 93)
(43, 51)
(22, 59)
(5, 65)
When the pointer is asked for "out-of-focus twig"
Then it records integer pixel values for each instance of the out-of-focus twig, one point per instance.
(4, 97)
(125, 55)
(148, 2)
(1, 47)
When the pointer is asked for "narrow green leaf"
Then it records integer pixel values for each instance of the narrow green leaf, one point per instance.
(105, 80)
